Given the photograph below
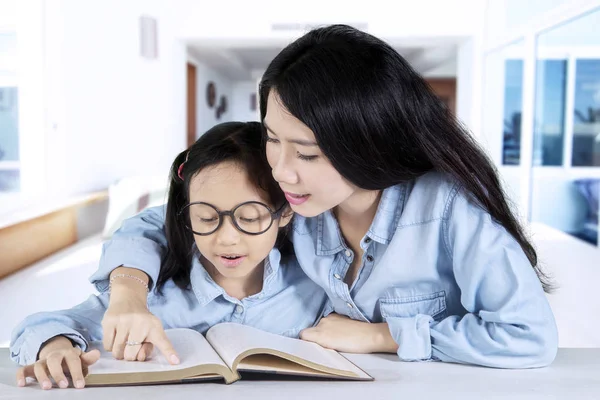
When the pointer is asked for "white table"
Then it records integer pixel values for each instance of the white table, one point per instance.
(574, 375)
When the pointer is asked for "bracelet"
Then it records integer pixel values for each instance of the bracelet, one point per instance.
(130, 277)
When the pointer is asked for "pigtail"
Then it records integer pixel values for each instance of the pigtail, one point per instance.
(178, 260)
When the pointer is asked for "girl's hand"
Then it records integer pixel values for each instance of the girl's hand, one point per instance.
(57, 358)
(127, 319)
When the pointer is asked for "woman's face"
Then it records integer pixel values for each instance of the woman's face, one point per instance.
(311, 184)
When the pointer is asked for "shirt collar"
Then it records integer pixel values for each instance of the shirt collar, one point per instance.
(388, 214)
(206, 289)
(389, 210)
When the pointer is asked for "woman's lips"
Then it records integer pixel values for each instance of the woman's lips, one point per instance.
(296, 199)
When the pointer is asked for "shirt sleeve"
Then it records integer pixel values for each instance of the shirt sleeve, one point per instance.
(140, 243)
(509, 323)
(81, 324)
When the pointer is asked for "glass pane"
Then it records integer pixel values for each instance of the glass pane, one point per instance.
(549, 112)
(586, 121)
(513, 107)
(10, 180)
(9, 124)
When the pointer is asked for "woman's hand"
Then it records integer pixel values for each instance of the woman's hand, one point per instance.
(57, 358)
(341, 333)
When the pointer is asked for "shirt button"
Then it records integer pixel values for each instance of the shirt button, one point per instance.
(368, 240)
(337, 276)
(369, 258)
(349, 305)
(348, 253)
(239, 309)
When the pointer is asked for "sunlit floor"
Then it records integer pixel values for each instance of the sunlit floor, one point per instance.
(61, 281)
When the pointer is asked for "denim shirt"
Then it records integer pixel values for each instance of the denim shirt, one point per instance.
(287, 303)
(451, 283)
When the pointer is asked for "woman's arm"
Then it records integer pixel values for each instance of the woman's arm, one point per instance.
(509, 323)
(139, 245)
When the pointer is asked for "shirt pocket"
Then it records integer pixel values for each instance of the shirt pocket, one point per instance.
(432, 304)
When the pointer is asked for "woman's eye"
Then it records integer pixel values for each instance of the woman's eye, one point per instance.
(272, 140)
(306, 158)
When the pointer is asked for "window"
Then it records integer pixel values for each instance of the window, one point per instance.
(513, 105)
(550, 112)
(9, 121)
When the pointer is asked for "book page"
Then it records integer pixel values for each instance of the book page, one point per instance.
(191, 347)
(230, 340)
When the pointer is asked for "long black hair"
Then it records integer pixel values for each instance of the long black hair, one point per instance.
(364, 102)
(241, 142)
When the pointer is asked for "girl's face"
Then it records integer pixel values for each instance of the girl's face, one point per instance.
(311, 184)
(233, 254)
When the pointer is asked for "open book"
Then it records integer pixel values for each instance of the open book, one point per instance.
(227, 350)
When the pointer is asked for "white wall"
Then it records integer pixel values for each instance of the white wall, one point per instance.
(241, 101)
(206, 117)
(113, 112)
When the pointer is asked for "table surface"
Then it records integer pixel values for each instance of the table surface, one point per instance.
(575, 374)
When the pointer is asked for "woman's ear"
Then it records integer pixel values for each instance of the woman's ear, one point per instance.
(286, 217)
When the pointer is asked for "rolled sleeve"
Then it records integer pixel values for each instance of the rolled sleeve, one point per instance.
(412, 335)
(26, 349)
(81, 324)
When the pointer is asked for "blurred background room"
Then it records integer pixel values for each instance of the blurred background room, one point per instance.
(98, 96)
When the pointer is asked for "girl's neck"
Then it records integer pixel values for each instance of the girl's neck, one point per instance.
(242, 287)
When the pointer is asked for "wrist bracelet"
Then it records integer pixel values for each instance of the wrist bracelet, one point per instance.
(135, 278)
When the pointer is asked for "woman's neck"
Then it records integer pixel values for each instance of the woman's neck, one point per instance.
(356, 214)
(360, 208)
(242, 287)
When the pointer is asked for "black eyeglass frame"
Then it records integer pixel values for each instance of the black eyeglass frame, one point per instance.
(274, 216)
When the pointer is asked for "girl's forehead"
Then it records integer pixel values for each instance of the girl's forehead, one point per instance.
(225, 184)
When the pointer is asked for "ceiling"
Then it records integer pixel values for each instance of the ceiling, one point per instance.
(247, 61)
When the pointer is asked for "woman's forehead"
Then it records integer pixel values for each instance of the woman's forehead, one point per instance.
(280, 122)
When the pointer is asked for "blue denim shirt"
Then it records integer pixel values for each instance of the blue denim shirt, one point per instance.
(287, 303)
(451, 283)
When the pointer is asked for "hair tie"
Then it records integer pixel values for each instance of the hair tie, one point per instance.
(180, 169)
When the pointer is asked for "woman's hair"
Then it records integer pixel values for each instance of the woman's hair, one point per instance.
(378, 121)
(240, 142)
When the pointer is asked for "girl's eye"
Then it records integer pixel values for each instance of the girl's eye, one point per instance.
(271, 140)
(208, 220)
(306, 158)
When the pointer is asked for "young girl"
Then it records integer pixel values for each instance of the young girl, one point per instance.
(223, 218)
(402, 221)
